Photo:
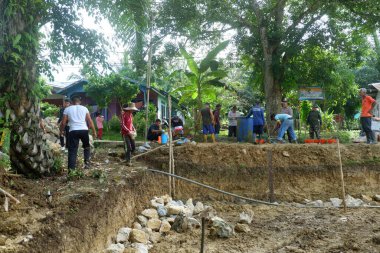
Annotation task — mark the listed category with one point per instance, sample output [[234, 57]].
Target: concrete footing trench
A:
[[86, 214]]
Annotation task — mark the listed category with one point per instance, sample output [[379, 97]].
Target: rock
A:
[[155, 237], [193, 223], [150, 213], [285, 153], [317, 203], [180, 224], [140, 248], [138, 236], [366, 198], [327, 204], [154, 204], [154, 224], [162, 211], [171, 219], [130, 250], [246, 218], [160, 201], [137, 225], [123, 234], [353, 202], [376, 239], [115, 248], [336, 202], [147, 231], [167, 199], [188, 211], [220, 228], [198, 207], [142, 220], [242, 228], [3, 240], [189, 203], [175, 209], [376, 197], [165, 226]]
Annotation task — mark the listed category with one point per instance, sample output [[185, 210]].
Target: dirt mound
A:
[[300, 171]]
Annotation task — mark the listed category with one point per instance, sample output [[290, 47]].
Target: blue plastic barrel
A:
[[164, 138], [245, 130]]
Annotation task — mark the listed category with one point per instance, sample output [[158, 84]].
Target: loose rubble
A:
[[165, 216]]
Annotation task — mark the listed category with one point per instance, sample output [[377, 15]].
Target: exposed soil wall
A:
[[83, 217], [300, 171]]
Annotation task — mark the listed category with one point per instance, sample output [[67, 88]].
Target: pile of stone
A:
[[350, 202], [168, 216], [52, 129]]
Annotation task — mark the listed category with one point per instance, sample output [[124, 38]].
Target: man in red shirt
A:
[[128, 131], [366, 115]]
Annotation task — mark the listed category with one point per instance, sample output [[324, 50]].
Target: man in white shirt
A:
[[79, 119], [233, 115]]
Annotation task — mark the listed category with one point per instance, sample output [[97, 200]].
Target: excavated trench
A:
[[299, 172]]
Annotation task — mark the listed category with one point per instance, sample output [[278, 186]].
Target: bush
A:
[[49, 110], [139, 119], [114, 124]]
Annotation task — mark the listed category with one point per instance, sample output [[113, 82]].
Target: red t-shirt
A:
[[127, 123], [367, 102]]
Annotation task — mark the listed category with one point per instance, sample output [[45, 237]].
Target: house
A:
[[157, 97]]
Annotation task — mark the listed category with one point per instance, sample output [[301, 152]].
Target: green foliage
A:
[[203, 79], [75, 174], [5, 163], [305, 109], [139, 119], [114, 86], [328, 122], [49, 110], [41, 90], [99, 175], [5, 140], [114, 124], [57, 165]]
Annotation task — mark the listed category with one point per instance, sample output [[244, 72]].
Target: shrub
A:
[[49, 110], [114, 124], [139, 119]]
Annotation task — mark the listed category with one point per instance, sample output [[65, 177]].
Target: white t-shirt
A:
[[232, 118], [77, 117]]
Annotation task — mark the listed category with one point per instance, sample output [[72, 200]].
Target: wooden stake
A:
[[10, 196], [342, 177], [270, 177], [170, 147]]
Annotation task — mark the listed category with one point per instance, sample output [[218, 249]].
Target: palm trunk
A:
[[29, 152]]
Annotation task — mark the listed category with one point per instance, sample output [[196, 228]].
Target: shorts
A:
[[208, 129], [258, 129]]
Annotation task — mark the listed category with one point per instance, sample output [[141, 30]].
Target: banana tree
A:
[[203, 78]]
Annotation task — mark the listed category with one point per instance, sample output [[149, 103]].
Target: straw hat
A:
[[130, 107]]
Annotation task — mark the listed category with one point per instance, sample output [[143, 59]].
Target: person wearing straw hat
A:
[[128, 131]]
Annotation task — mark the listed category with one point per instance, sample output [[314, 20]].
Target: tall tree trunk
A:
[[29, 151], [272, 87]]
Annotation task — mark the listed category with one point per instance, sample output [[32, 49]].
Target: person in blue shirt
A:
[[284, 123], [258, 120]]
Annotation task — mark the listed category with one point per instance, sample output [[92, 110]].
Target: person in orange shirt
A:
[[366, 115]]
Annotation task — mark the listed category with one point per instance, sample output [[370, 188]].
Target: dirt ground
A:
[[282, 229], [85, 213]]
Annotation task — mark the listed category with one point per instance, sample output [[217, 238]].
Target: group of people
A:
[[284, 122]]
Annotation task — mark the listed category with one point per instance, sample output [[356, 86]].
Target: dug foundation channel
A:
[[299, 172]]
